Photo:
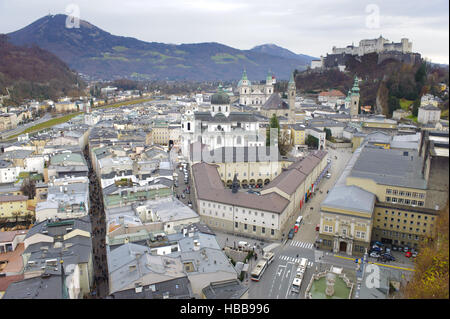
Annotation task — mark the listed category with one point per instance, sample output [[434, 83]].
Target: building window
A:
[[394, 192], [245, 226], [401, 193], [394, 200], [236, 224], [408, 194], [254, 228], [388, 191], [420, 203], [388, 199], [272, 232], [263, 230]]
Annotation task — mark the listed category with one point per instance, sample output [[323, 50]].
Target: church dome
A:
[[220, 98]]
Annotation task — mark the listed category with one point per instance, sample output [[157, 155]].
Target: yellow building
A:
[[401, 213], [15, 206], [160, 133], [298, 134], [346, 220]]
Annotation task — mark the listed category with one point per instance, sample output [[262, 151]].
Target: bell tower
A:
[[354, 98], [291, 98]]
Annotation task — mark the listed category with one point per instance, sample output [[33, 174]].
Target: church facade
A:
[[255, 95], [220, 127]]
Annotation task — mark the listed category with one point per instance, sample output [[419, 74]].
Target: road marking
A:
[[301, 244], [378, 264]]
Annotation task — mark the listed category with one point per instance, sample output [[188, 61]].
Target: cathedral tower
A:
[[291, 98]]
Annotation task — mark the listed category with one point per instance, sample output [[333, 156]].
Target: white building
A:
[[255, 94], [429, 114], [219, 127]]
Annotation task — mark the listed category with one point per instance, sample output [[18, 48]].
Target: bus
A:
[[261, 266], [259, 270]]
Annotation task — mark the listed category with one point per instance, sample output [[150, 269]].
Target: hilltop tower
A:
[[354, 98]]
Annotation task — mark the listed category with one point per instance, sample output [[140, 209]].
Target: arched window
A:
[[189, 126], [220, 109]]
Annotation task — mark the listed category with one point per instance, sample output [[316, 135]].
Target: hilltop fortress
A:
[[375, 45], [400, 51]]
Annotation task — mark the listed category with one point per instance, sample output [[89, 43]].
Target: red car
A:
[[408, 254], [318, 227], [295, 228]]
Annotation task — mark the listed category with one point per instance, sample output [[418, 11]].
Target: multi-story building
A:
[[220, 127], [261, 216], [429, 114], [160, 133], [255, 94], [393, 190], [15, 207]]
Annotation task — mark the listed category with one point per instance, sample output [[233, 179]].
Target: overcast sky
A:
[[308, 27]]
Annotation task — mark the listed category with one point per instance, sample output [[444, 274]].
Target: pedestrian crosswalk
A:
[[294, 260], [301, 244]]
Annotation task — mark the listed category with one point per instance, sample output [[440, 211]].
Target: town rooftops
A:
[[227, 289], [275, 102], [178, 288], [12, 198], [332, 93], [48, 287], [350, 198], [394, 167]]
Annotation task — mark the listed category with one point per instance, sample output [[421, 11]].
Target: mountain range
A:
[[94, 52]]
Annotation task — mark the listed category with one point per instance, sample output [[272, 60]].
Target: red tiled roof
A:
[[332, 93], [6, 281]]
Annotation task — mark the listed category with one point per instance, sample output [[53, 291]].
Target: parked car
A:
[[295, 228], [414, 254], [375, 248], [378, 243], [405, 249], [388, 257], [408, 254], [318, 227], [374, 254], [291, 234], [328, 175], [189, 203], [388, 250], [394, 248]]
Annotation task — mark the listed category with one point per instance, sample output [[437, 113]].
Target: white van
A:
[[299, 220]]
